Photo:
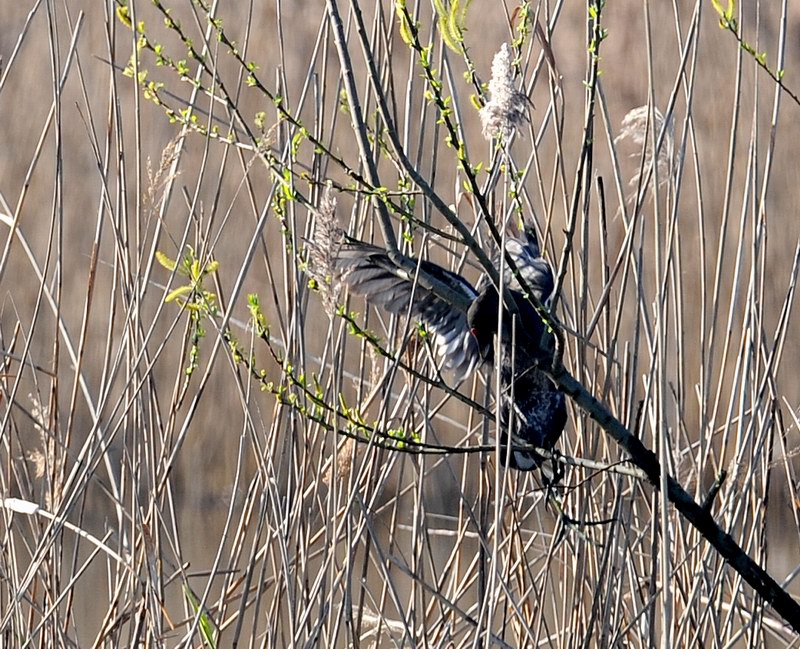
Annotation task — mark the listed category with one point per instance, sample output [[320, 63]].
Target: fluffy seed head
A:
[[635, 130], [323, 251], [506, 108]]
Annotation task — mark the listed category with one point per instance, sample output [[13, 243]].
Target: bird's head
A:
[[482, 321]]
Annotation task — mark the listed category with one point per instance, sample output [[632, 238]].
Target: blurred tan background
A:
[[205, 468]]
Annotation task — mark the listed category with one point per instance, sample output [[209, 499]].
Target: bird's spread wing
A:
[[368, 271]]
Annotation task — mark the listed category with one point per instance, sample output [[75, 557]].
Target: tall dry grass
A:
[[155, 493]]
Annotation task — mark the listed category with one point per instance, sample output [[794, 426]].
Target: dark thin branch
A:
[[783, 603]]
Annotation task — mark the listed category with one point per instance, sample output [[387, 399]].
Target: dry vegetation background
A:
[[221, 517]]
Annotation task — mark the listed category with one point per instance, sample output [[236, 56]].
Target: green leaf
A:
[[195, 269], [405, 28], [177, 293], [124, 15], [726, 19], [166, 262], [206, 625]]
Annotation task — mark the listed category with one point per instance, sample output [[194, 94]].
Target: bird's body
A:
[[532, 409]]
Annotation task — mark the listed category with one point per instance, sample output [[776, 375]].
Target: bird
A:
[[532, 408]]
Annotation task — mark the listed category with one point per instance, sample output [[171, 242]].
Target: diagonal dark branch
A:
[[781, 601]]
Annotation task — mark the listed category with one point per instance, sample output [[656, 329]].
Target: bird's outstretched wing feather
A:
[[367, 270]]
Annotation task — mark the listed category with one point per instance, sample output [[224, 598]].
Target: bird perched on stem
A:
[[532, 409]]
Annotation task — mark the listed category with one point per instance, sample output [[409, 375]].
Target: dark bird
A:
[[532, 408]]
